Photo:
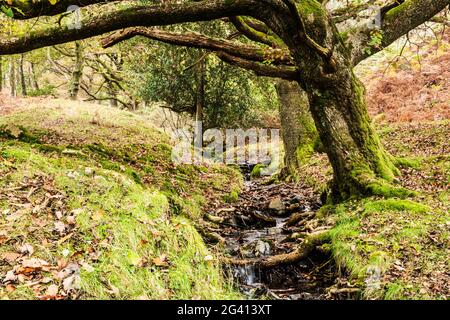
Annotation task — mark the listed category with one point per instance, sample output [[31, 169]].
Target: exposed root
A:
[[299, 217], [227, 210], [306, 247], [213, 237], [214, 219]]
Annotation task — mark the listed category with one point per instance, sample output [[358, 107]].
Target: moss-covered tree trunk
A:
[[300, 137], [360, 163]]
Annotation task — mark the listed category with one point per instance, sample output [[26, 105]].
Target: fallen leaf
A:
[[72, 268], [34, 263], [10, 256], [60, 226], [88, 267], [71, 220], [10, 288], [10, 276], [71, 283], [52, 290], [62, 263], [26, 248], [160, 261]]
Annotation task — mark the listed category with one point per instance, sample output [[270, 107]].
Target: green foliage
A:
[[47, 90], [376, 40], [168, 74]]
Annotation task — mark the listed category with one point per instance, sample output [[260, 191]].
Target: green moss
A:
[[408, 163], [396, 205], [256, 171], [232, 197], [308, 7], [382, 188]]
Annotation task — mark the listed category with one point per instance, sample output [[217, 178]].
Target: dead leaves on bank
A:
[[36, 222]]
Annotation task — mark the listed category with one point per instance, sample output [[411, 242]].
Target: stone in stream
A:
[[263, 248], [277, 206]]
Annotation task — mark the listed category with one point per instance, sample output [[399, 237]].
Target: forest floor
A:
[[92, 207]]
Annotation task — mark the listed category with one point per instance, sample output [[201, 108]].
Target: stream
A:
[[257, 227]]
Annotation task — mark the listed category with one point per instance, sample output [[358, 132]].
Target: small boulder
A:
[[277, 206]]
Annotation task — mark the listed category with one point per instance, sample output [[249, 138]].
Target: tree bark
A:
[[33, 82], [200, 95], [299, 133], [23, 85], [12, 77], [112, 92], [77, 72], [360, 163]]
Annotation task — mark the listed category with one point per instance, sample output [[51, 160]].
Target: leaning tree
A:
[[298, 37]]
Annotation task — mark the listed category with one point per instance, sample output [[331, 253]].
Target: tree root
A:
[[335, 291], [299, 217], [214, 219], [213, 237], [306, 247]]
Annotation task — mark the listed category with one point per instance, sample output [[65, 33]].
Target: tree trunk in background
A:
[[199, 107], [200, 95], [12, 77], [23, 84], [77, 72], [33, 82], [300, 137], [112, 92]]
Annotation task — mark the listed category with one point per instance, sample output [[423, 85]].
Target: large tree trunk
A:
[[300, 137], [360, 163], [77, 72]]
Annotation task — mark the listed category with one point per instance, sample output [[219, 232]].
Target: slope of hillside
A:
[[407, 83], [91, 207]]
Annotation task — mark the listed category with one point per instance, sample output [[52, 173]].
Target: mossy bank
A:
[[92, 191]]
